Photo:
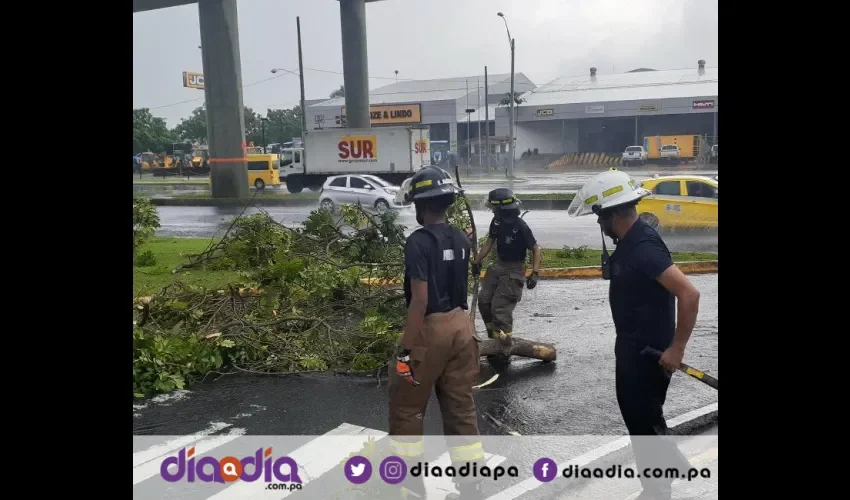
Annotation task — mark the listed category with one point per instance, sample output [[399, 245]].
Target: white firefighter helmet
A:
[[605, 190]]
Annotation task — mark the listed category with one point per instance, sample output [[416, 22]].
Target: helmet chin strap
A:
[[606, 270]]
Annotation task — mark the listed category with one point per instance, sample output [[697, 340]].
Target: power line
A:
[[331, 72]]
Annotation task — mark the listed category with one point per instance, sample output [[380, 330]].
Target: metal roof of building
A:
[[434, 90], [478, 115], [637, 86]]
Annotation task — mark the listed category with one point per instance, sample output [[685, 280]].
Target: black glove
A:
[[531, 281], [476, 270]]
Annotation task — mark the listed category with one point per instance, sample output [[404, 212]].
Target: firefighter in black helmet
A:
[[501, 290], [438, 348]]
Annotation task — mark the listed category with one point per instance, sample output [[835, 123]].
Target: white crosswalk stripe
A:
[[152, 468], [314, 459], [161, 450], [437, 488], [320, 456]]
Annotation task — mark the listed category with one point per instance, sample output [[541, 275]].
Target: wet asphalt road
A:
[[552, 228], [572, 396], [527, 182]]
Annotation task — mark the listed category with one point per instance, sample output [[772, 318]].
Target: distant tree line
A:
[[150, 133]]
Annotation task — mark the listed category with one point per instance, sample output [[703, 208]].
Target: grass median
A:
[[169, 253]]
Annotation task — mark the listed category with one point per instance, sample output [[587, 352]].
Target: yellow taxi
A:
[[680, 201]]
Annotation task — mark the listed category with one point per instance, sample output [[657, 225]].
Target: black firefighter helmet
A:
[[503, 199], [430, 182]]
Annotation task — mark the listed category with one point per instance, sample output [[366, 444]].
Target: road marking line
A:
[[437, 488], [315, 458], [152, 468], [706, 456], [175, 444], [582, 460]]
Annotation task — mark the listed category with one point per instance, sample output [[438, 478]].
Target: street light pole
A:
[[511, 140], [263, 125]]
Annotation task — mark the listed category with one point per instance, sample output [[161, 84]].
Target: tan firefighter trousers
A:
[[445, 357]]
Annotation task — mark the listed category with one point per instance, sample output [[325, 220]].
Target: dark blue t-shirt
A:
[[643, 310], [443, 263]]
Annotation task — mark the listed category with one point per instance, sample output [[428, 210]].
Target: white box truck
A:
[[391, 153]]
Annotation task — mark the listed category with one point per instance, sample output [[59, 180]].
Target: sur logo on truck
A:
[[358, 149], [421, 146]]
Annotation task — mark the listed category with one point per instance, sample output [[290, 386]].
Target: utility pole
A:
[[513, 153], [478, 119], [487, 119], [303, 108], [468, 144]]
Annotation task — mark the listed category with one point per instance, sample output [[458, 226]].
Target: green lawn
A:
[[554, 257], [171, 252]]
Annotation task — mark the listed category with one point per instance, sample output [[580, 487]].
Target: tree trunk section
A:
[[519, 347]]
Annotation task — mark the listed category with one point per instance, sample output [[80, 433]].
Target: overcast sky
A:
[[422, 39]]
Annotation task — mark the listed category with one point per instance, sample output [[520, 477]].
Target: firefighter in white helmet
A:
[[645, 286]]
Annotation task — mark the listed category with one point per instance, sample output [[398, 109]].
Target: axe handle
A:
[[686, 369]]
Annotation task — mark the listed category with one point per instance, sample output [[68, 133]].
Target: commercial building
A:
[[605, 113], [441, 104]]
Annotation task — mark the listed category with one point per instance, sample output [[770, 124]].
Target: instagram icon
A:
[[393, 470]]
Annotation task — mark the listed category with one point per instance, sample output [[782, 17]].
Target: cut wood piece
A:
[[519, 347]]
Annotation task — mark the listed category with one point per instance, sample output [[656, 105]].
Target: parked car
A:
[[634, 154], [680, 201], [367, 190], [669, 152]]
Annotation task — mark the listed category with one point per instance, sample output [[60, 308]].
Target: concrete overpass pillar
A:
[[355, 67], [223, 92]]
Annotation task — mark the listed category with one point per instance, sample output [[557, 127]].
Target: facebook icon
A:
[[545, 470]]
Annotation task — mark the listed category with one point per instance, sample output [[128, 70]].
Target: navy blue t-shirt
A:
[[643, 310], [444, 270]]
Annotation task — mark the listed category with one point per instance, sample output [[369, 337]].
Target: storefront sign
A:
[[703, 104], [594, 109], [396, 114], [649, 108], [193, 80], [545, 112]]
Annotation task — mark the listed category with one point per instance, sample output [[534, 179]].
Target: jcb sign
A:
[[193, 80], [393, 115], [358, 149], [421, 147]]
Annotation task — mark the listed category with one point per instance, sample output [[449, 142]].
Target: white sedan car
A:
[[370, 191]]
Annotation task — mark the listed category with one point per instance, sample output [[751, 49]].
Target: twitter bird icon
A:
[[358, 469]]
